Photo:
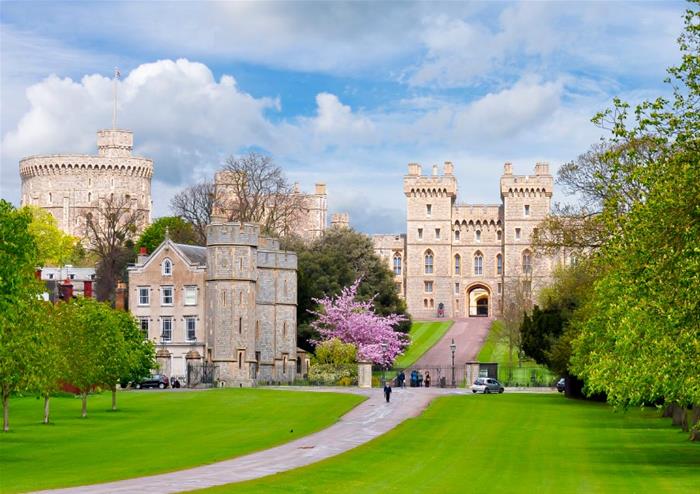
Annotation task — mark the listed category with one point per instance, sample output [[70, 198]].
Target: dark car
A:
[[561, 385], [487, 385], [155, 381]]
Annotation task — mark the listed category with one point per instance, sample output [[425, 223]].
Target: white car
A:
[[487, 385]]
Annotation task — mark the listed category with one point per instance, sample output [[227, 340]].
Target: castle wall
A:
[[390, 248]]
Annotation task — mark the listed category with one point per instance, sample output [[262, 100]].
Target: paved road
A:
[[469, 335], [368, 420]]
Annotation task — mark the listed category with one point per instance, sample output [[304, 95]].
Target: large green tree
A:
[[19, 303], [334, 261], [640, 339], [178, 230], [55, 248]]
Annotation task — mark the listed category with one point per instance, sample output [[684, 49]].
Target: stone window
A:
[[517, 234], [432, 303], [457, 235], [527, 262], [499, 235], [526, 210], [166, 295], [50, 197], [144, 295], [527, 288], [420, 234], [285, 359], [500, 287], [144, 326], [240, 325], [458, 264], [241, 356], [478, 263], [398, 287], [425, 303], [477, 235], [499, 264], [437, 234], [428, 262], [397, 264], [191, 328], [457, 288], [428, 209], [428, 286], [284, 329], [167, 267], [166, 328], [190, 295]]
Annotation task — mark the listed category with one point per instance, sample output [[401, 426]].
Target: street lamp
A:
[[384, 347], [453, 347]]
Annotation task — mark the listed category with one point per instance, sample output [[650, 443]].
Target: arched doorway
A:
[[479, 297]]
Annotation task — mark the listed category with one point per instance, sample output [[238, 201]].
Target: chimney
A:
[[449, 168], [37, 273], [143, 256], [65, 291], [435, 170], [542, 168], [414, 169], [507, 168], [120, 296], [320, 189]]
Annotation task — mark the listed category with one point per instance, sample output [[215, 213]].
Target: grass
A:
[[423, 336], [517, 443], [510, 371], [152, 432]]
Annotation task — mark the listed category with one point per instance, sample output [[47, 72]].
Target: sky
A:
[[342, 93]]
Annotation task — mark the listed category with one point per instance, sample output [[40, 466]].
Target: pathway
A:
[[469, 335], [368, 420]]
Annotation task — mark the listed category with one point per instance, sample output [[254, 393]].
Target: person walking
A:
[[387, 392], [402, 380], [427, 379]]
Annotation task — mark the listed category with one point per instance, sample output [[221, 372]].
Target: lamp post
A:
[[453, 347], [384, 347]]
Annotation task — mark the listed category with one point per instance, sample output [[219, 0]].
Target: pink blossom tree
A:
[[353, 321]]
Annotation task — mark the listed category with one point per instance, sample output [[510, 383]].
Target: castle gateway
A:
[[460, 260]]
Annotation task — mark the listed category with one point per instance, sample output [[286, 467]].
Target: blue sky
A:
[[342, 93]]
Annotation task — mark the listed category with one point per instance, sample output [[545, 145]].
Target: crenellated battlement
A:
[[233, 233], [541, 184], [34, 166]]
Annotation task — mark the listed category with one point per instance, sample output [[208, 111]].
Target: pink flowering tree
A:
[[353, 321]]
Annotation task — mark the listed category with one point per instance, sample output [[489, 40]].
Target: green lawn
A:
[[517, 443], [510, 371], [423, 336], [152, 432]]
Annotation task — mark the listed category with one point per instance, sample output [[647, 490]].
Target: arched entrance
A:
[[479, 297]]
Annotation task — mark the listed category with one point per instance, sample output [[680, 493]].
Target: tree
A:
[[19, 302], [50, 359], [110, 233], [639, 339], [519, 301], [178, 230], [55, 247], [195, 205], [253, 189], [352, 321], [334, 261]]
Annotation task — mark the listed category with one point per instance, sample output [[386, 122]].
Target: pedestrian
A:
[[402, 380], [387, 392], [427, 379]]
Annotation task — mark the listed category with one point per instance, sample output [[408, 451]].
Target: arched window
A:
[[50, 197], [457, 235], [477, 235], [499, 264], [499, 234], [458, 264], [89, 197], [527, 261], [428, 262], [478, 263], [167, 267], [397, 264]]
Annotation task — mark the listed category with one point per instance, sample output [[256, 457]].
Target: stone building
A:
[[311, 220], [468, 259], [70, 185], [231, 303]]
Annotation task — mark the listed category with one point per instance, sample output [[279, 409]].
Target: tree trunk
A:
[[84, 398], [5, 409], [46, 408], [668, 411], [114, 398], [680, 417], [695, 423]]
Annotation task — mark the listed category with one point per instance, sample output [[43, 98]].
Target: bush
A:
[[330, 374]]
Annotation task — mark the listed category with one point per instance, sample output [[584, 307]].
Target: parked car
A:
[[487, 385], [155, 381], [561, 385]]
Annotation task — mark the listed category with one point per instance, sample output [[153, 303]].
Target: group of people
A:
[[417, 380]]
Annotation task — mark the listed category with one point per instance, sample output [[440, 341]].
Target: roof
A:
[[195, 254]]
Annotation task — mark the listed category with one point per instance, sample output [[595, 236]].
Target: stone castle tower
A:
[[70, 185], [250, 289], [468, 259]]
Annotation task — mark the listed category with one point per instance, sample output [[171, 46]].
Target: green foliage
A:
[[333, 374], [55, 248], [334, 261], [335, 352], [179, 230]]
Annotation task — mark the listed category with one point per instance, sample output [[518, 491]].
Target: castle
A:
[[70, 186], [458, 260], [231, 304]]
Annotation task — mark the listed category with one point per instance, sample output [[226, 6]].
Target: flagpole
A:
[[114, 111]]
